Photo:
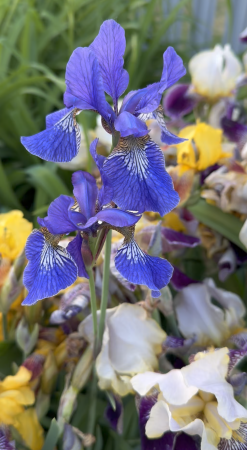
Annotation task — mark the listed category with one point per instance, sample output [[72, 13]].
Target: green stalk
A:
[[5, 326], [92, 406], [105, 287], [93, 304]]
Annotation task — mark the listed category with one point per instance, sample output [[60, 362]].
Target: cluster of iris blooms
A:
[[134, 178]]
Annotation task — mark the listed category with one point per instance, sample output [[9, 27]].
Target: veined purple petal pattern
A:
[[136, 171], [85, 191], [50, 267], [60, 142], [84, 83], [58, 220], [127, 125], [140, 268], [109, 47], [105, 193], [74, 249]]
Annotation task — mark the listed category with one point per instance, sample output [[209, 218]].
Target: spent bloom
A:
[[131, 343], [214, 72], [135, 169], [197, 400]]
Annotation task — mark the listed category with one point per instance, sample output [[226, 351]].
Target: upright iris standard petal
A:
[[109, 47], [59, 142], [50, 267], [140, 268], [136, 170], [84, 83], [173, 70], [74, 249], [127, 125], [85, 191], [106, 192]]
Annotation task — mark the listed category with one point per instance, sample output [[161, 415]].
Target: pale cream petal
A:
[[158, 422]]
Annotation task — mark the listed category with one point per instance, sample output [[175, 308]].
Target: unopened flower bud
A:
[[67, 403], [42, 404], [87, 253], [83, 369], [33, 313], [50, 373], [26, 339], [11, 289]]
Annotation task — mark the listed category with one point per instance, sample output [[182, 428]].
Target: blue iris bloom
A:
[[52, 267], [136, 168]]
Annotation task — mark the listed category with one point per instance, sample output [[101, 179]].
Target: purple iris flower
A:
[[52, 267], [135, 169]]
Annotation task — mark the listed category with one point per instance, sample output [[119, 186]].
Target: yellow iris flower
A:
[[14, 231], [15, 394], [29, 428], [202, 149]]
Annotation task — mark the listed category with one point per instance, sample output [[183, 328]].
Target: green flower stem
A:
[[93, 304], [105, 287], [92, 406], [5, 326]]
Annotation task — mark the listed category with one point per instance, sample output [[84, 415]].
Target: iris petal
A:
[[50, 267], [105, 193], [59, 219], [109, 47], [84, 84], [140, 268], [85, 191], [58, 143], [74, 249], [127, 125], [136, 171]]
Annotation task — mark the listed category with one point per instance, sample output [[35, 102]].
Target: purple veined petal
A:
[[235, 357], [136, 171], [173, 69], [179, 239], [74, 249], [85, 191], [58, 143], [238, 441], [243, 35], [106, 192], [166, 136], [180, 280], [127, 104], [127, 125], [53, 118], [238, 382], [117, 217], [140, 268], [58, 219], [178, 102], [166, 441], [239, 339], [109, 47], [85, 85], [115, 416], [50, 267], [5, 443], [234, 131]]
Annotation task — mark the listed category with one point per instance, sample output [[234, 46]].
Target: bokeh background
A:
[[36, 41]]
